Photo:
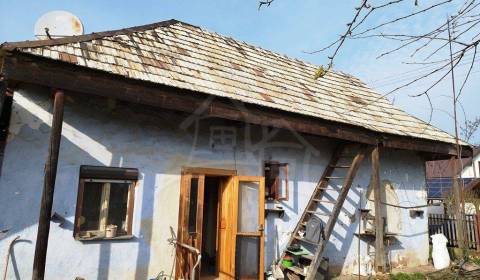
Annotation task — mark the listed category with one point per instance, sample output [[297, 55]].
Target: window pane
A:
[[247, 259], [90, 217], [248, 198], [117, 207], [192, 212]]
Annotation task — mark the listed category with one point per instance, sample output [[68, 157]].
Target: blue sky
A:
[[288, 27]]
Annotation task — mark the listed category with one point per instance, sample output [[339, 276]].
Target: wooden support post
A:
[[48, 188], [459, 206], [379, 222]]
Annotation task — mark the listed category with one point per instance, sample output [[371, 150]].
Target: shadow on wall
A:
[[95, 132], [23, 168]]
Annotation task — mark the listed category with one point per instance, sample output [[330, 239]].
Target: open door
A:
[[190, 224], [240, 226], [250, 216], [226, 229]]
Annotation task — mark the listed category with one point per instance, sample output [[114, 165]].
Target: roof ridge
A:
[[88, 37]]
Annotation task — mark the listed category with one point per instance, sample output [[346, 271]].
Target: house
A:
[[471, 168], [168, 129], [440, 174]]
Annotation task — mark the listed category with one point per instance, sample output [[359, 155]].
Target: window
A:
[[105, 203], [273, 172], [222, 137]]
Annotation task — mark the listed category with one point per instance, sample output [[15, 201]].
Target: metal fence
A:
[[447, 225]]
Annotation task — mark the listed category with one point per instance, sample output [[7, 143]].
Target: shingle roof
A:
[[177, 54]]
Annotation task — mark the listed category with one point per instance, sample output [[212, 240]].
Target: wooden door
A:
[[190, 224], [226, 229], [250, 224]]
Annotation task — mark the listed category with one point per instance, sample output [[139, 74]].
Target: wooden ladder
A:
[[315, 201]]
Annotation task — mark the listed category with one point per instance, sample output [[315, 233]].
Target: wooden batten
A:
[[48, 188], [379, 195], [46, 72]]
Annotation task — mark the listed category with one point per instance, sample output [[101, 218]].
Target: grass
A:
[[408, 276], [475, 259]]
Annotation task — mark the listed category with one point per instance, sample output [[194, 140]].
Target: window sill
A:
[[102, 238]]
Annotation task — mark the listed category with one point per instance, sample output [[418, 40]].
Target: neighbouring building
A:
[[439, 179], [172, 129]]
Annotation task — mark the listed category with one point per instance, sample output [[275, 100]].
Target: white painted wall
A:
[[159, 143], [472, 170]]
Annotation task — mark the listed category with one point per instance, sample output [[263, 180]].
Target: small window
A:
[[223, 137], [105, 203], [276, 180]]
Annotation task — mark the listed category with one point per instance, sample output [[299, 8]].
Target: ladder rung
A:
[[340, 166], [334, 177], [307, 257], [325, 201], [318, 213], [306, 241], [296, 270], [327, 188]]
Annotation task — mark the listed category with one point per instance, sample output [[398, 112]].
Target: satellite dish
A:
[[57, 24]]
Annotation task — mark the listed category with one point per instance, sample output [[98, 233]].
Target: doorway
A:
[[222, 216], [209, 265]]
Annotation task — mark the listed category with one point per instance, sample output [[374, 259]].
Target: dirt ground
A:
[[422, 269]]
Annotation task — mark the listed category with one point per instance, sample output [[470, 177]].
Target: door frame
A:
[[182, 262], [229, 200]]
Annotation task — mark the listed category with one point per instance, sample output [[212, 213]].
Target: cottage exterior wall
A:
[[472, 170], [107, 133]]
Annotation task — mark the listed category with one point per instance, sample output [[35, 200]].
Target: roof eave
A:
[[53, 73]]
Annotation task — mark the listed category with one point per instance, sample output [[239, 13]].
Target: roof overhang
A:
[[21, 67]]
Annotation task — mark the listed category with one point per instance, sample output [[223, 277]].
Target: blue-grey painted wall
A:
[[159, 143]]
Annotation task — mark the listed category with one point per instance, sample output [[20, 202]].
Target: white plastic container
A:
[[440, 256]]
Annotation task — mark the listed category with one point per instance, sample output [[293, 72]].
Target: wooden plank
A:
[[227, 229], [379, 195], [209, 171], [131, 202], [261, 210], [180, 259], [357, 160], [197, 242], [477, 230], [32, 69], [78, 209], [48, 188]]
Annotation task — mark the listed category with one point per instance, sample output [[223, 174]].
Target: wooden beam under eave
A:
[[50, 73], [379, 195], [47, 72], [48, 188]]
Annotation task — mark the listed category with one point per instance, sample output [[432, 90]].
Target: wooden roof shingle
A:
[[177, 54]]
